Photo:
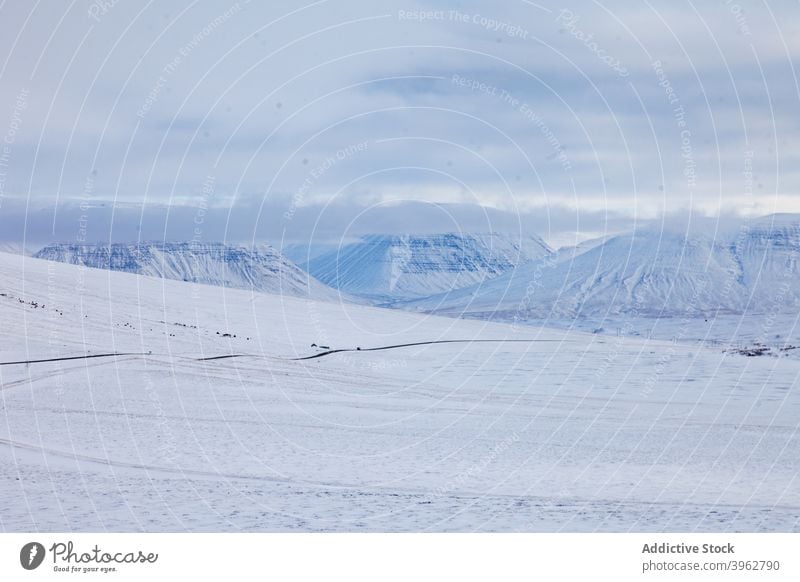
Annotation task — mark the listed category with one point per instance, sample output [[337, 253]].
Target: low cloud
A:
[[253, 221]]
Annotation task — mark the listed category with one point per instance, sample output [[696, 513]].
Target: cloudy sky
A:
[[279, 120]]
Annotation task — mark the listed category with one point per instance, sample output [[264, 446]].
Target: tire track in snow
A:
[[48, 376], [372, 489], [138, 466]]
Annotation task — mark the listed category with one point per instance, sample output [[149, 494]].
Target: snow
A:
[[647, 273], [570, 431], [259, 268], [387, 268], [18, 248]]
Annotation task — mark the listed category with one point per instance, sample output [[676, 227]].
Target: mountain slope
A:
[[646, 273], [767, 252], [395, 267], [260, 268]]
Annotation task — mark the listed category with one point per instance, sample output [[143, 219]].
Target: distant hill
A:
[[260, 268]]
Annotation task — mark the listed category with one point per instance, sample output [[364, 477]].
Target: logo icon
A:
[[31, 555]]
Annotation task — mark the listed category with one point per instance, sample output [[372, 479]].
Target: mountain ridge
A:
[[259, 268], [647, 273], [396, 267]]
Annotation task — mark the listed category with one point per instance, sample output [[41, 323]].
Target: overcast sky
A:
[[273, 120]]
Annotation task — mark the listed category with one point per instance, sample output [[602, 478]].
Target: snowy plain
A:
[[557, 430]]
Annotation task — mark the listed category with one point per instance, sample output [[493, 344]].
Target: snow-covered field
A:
[[569, 431]]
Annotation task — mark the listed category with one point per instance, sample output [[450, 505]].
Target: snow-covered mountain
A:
[[396, 267], [568, 252], [259, 268], [766, 252], [647, 273]]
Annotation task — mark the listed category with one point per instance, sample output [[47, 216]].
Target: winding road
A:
[[311, 357]]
